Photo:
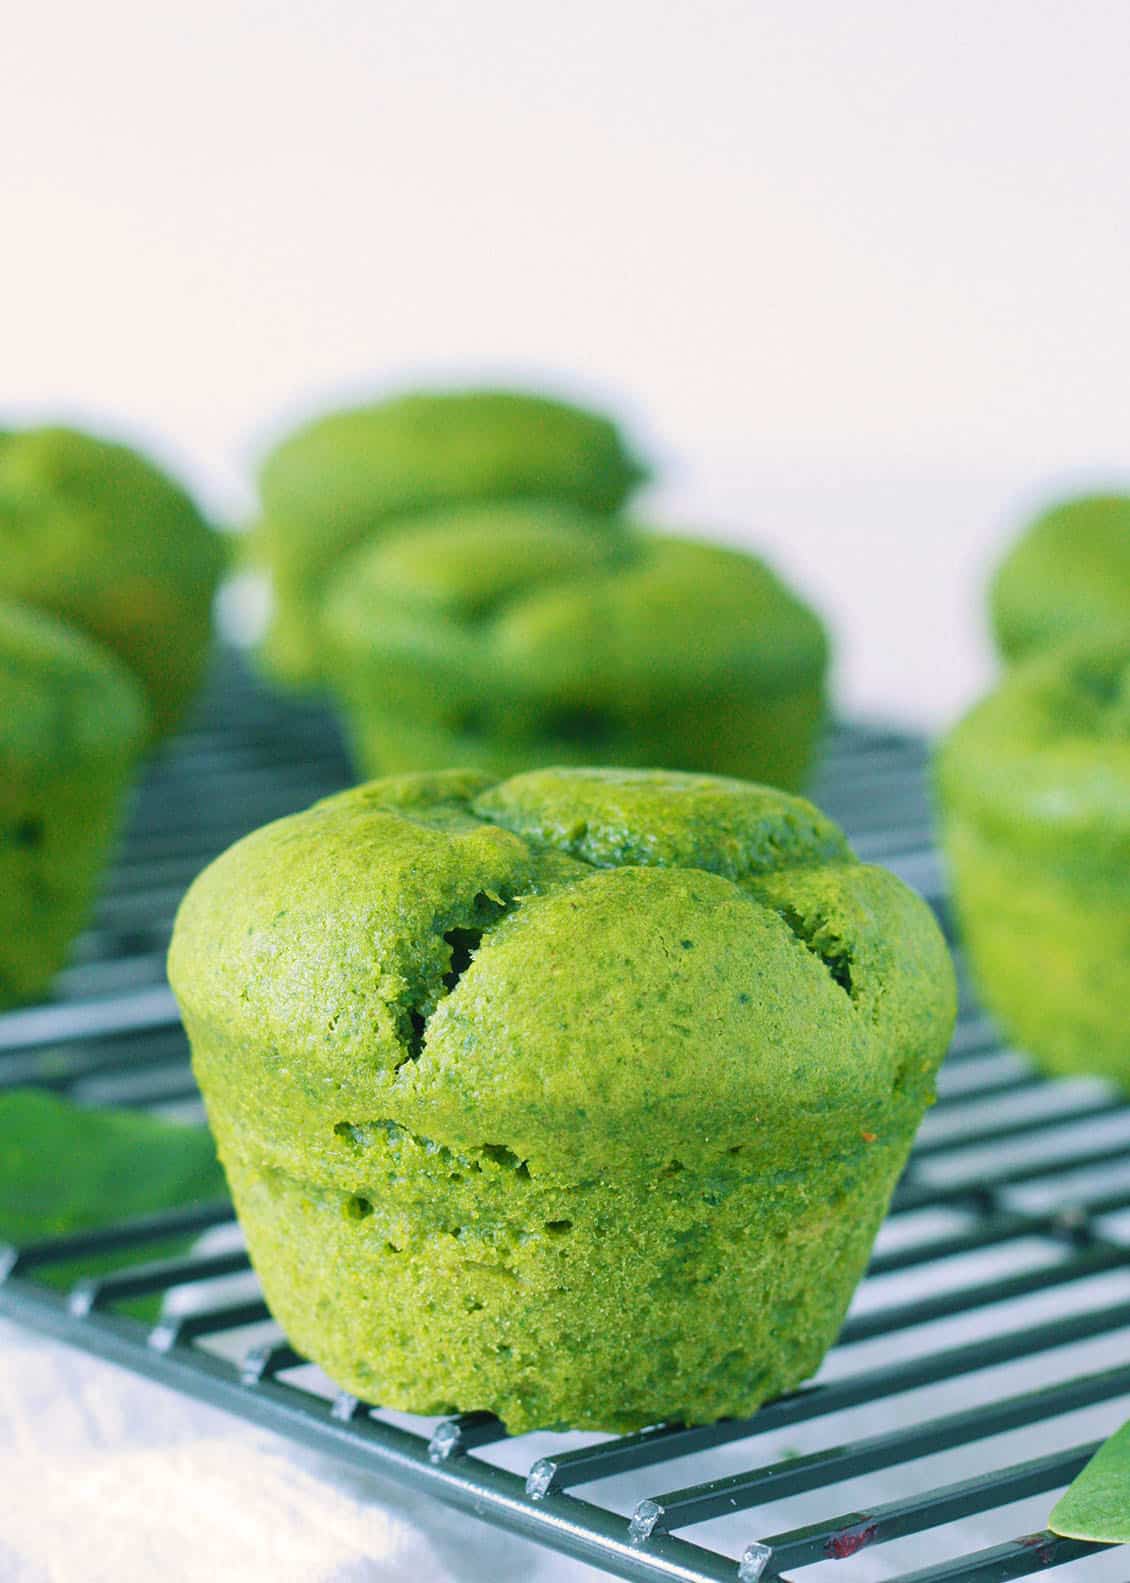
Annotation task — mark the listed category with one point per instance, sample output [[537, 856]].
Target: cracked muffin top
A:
[[597, 971], [539, 599]]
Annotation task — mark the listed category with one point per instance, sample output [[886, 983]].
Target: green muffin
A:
[[578, 1097], [1068, 576], [94, 533], [503, 637], [339, 480], [72, 723], [1034, 788]]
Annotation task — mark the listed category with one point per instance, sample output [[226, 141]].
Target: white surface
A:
[[107, 1478]]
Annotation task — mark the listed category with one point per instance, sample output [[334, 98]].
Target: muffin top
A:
[[335, 481], [537, 599], [1068, 574], [93, 532], [62, 697], [345, 472], [577, 971], [1043, 763]]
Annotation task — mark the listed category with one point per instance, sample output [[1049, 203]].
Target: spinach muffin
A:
[[94, 533], [1068, 576], [504, 637], [72, 724], [578, 1097], [1034, 788], [340, 479]]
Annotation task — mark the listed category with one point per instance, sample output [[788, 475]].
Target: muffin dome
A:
[[523, 1087], [94, 533], [1035, 792], [340, 479], [72, 722], [1068, 576], [502, 637]]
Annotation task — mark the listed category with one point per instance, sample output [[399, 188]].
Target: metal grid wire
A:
[[984, 1359]]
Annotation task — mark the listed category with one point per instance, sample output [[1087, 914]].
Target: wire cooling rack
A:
[[986, 1355]]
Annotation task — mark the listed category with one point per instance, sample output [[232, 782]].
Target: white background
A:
[[857, 273]]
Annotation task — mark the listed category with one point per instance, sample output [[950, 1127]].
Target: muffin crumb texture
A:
[[577, 1097]]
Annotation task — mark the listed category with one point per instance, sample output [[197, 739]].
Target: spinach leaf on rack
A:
[[1097, 1505]]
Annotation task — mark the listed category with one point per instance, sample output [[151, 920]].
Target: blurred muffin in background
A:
[[1067, 576], [341, 479], [1034, 787], [73, 722], [95, 533], [501, 637]]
